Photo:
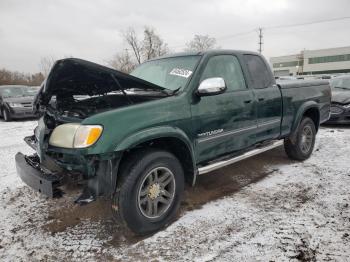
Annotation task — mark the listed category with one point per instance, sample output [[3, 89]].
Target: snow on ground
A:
[[11, 141], [266, 208]]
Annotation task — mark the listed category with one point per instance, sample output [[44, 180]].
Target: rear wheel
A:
[[6, 115], [302, 146], [150, 191]]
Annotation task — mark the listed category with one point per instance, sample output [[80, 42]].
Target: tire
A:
[[302, 146], [139, 191], [6, 115]]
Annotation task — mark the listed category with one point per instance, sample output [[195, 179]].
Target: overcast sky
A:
[[91, 29]]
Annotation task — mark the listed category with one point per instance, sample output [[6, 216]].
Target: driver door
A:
[[226, 122]]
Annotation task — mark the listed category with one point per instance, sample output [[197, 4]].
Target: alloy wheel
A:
[[306, 139], [156, 193]]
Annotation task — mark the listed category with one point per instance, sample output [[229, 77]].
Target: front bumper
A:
[[31, 173], [47, 182], [340, 121], [339, 118], [340, 115], [22, 112]]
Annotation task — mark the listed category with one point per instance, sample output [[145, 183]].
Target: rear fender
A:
[[299, 116]]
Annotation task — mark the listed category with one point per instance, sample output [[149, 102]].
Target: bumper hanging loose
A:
[[31, 173]]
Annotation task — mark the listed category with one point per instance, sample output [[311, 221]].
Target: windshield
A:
[[171, 73], [343, 83], [31, 91], [16, 91]]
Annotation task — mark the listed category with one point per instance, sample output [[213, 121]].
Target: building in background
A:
[[313, 62]]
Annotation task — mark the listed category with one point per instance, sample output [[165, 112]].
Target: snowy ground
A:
[[266, 208]]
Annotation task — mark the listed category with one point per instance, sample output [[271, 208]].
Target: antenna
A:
[[260, 39]]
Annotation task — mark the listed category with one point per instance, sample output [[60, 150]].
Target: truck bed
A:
[[299, 94]]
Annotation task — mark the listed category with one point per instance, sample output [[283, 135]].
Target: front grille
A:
[[27, 105]]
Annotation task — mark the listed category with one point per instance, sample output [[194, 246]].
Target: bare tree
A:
[[46, 64], [14, 78], [122, 62], [201, 43], [134, 43], [18, 78], [5, 77], [37, 79], [150, 46], [153, 45]]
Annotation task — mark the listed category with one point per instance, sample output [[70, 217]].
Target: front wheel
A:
[[302, 147], [150, 191]]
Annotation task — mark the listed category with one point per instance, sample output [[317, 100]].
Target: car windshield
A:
[[16, 91], [342, 83], [171, 73], [31, 91]]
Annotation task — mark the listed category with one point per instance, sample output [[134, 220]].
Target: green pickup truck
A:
[[138, 138]]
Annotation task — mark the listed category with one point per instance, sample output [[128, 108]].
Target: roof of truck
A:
[[208, 52]]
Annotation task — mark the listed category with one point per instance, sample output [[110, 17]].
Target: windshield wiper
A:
[[121, 88], [171, 92], [163, 91], [176, 90]]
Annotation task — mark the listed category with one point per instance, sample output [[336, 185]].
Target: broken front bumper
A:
[[31, 173], [48, 182]]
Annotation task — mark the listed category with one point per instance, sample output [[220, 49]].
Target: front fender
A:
[[299, 115], [153, 133], [156, 133]]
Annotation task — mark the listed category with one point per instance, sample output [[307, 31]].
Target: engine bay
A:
[[84, 106]]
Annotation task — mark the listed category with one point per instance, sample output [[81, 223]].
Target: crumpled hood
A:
[[74, 76], [341, 96]]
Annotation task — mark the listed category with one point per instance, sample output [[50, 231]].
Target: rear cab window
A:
[[258, 71]]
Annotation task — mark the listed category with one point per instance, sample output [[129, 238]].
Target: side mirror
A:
[[211, 87]]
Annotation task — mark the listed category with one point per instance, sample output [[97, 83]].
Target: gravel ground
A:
[[267, 208]]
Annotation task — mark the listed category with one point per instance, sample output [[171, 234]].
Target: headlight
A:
[[336, 110], [75, 135], [87, 136], [11, 104]]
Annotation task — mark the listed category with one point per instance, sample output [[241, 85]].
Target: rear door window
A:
[[258, 70]]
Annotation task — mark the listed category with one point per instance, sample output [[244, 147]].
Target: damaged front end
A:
[[52, 167], [74, 91]]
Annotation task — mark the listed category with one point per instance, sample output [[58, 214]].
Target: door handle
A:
[[261, 99], [247, 101]]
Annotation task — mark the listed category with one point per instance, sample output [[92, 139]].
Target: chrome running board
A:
[[223, 163]]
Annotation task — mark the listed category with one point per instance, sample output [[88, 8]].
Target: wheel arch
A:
[[171, 139], [314, 114], [309, 109]]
